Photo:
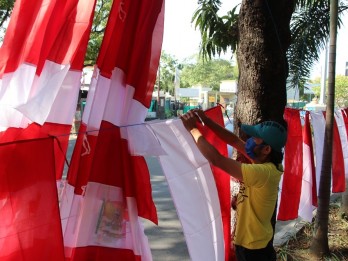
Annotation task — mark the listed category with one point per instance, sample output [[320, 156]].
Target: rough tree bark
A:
[[264, 38]]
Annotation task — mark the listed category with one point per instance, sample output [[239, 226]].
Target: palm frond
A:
[[217, 33], [310, 30]]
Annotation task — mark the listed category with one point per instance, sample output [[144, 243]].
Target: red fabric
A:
[[46, 30], [102, 253], [338, 170], [345, 118], [116, 167], [134, 44], [30, 225], [222, 179], [338, 174], [81, 160], [307, 139], [292, 177]]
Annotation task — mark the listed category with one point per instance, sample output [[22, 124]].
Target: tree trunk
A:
[[264, 38], [320, 245]]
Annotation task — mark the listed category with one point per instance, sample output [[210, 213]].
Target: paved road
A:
[[166, 240]]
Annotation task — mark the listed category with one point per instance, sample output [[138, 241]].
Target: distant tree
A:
[[6, 7], [341, 90], [208, 73], [166, 72], [101, 15]]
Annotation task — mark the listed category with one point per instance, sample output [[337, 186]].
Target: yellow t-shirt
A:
[[255, 205]]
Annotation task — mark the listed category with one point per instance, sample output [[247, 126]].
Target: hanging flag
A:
[[30, 226], [343, 144], [104, 174], [293, 169], [193, 189], [308, 192], [40, 67], [222, 179], [337, 165]]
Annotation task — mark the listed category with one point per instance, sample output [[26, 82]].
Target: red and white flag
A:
[[193, 189], [290, 192], [109, 188], [40, 70], [308, 192]]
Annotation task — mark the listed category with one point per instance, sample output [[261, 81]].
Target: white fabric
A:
[[64, 106], [92, 220], [15, 89], [142, 141], [306, 208], [318, 123], [193, 190], [44, 92], [343, 137]]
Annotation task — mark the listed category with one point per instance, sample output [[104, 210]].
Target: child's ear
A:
[[267, 149]]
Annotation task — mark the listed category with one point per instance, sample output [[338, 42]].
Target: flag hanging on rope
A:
[[41, 61], [193, 189], [40, 69], [106, 182], [308, 192], [292, 178], [30, 226]]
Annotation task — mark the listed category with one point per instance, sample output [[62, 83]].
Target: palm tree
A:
[[320, 245]]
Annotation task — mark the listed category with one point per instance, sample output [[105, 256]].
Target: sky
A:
[[182, 40]]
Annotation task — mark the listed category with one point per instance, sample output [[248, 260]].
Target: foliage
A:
[[100, 19], [341, 90], [208, 73], [6, 7], [218, 33], [166, 72], [310, 30]]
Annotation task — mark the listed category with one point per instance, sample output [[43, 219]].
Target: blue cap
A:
[[271, 132]]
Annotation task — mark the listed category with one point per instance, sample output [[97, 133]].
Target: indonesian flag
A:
[[30, 226], [308, 192], [109, 185], [193, 189], [318, 122], [343, 137], [292, 178], [40, 70], [41, 61]]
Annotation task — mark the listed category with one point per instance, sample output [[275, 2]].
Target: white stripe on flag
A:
[[318, 123]]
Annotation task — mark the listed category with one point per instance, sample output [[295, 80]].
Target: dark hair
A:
[[276, 157]]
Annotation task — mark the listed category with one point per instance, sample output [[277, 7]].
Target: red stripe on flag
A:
[[222, 179], [338, 170], [338, 174], [307, 139], [292, 177], [114, 166], [132, 43], [98, 253], [30, 224]]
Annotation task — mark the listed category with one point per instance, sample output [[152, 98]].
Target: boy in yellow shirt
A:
[[257, 196]]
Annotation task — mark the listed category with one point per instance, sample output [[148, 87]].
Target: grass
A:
[[297, 248]]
